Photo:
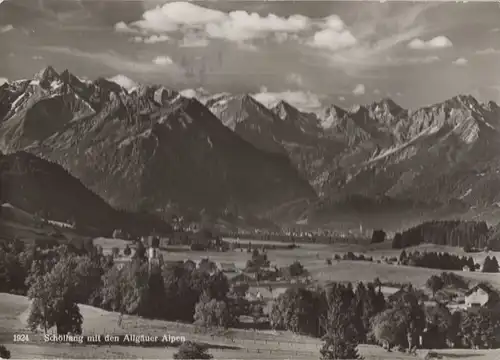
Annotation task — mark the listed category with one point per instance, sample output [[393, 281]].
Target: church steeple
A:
[[154, 256]]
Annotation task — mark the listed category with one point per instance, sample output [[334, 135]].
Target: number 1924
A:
[[21, 338]]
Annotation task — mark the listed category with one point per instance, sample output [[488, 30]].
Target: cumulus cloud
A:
[[488, 51], [334, 35], [295, 79], [341, 98], [3, 80], [124, 28], [124, 81], [302, 100], [194, 41], [438, 42], [359, 90], [6, 28], [233, 26], [163, 60], [281, 37], [460, 61]]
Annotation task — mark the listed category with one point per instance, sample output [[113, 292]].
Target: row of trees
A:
[[344, 317], [466, 234], [436, 260]]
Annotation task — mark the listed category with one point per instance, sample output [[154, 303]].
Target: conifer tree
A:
[[340, 338]]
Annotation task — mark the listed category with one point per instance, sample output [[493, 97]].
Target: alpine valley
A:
[[149, 148]]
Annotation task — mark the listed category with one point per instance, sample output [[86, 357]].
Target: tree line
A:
[[436, 260], [345, 316], [466, 234]]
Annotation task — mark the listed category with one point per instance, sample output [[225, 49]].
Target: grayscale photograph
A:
[[249, 180]]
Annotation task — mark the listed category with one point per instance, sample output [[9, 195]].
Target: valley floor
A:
[[313, 258]]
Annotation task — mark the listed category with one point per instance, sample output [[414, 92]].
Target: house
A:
[[227, 267], [466, 268], [121, 261], [481, 296], [239, 278]]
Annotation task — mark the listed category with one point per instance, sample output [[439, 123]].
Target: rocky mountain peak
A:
[[284, 109], [387, 105], [463, 100], [46, 74], [330, 116]]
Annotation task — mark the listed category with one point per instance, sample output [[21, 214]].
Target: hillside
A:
[[40, 187]]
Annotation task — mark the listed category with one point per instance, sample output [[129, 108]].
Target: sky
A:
[[309, 53]]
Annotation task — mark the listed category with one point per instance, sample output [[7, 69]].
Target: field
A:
[[313, 257], [236, 344]]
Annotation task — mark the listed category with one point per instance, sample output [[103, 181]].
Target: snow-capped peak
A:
[[125, 82], [199, 94], [48, 74]]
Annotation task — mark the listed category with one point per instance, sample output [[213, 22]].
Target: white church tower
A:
[[155, 259]]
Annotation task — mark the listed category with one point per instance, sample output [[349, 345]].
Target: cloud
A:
[[124, 28], [439, 42], [124, 82], [495, 30], [376, 91], [191, 41], [153, 39], [234, 26], [334, 36], [341, 98], [460, 62], [37, 57], [246, 46], [3, 80], [281, 37], [163, 60], [6, 28], [488, 51], [119, 62], [399, 94], [302, 100], [359, 90], [413, 60], [424, 60], [379, 30], [295, 79]]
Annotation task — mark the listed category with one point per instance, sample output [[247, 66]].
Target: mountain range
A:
[[148, 147]]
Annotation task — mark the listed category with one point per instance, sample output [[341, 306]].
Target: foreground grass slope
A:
[[244, 344]]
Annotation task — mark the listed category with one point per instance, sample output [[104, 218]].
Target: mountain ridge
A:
[[148, 149], [374, 151]]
